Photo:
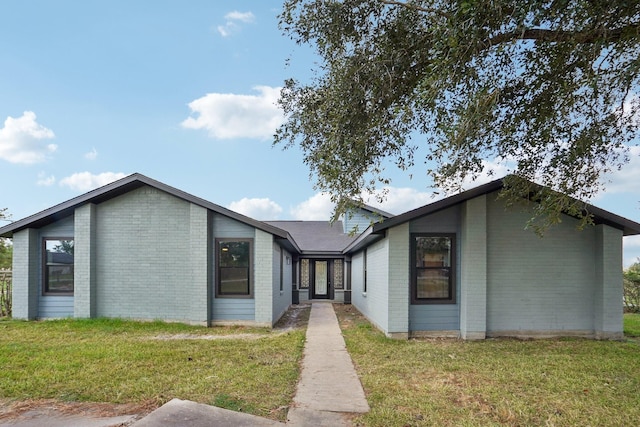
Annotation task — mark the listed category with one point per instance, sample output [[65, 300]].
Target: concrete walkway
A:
[[329, 389], [329, 392]]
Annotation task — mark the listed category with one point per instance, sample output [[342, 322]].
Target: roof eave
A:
[[123, 186]]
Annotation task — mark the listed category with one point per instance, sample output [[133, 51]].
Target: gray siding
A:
[[25, 279], [359, 220], [234, 309], [438, 317], [53, 306], [230, 228], [149, 257], [538, 284], [281, 299]]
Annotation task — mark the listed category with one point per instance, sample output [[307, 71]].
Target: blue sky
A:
[[182, 92]]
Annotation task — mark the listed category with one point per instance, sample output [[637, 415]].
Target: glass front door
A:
[[321, 279]]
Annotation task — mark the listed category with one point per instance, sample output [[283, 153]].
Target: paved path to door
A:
[[329, 390]]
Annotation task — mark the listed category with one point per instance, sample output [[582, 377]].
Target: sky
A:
[[183, 92]]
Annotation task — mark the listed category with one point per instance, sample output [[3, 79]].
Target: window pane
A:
[[321, 277], [338, 274], [432, 283], [234, 280], [234, 259], [59, 266], [234, 254], [433, 252], [304, 273]]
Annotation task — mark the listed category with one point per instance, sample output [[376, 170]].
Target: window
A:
[[58, 266], [432, 276], [338, 274], [234, 260], [304, 273], [364, 271], [281, 270]]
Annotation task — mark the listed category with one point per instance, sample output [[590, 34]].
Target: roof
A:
[[125, 185], [377, 211], [375, 231], [317, 236]]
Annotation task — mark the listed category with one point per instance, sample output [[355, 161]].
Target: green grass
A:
[[561, 382], [632, 324], [120, 361]]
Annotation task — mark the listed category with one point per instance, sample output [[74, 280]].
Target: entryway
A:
[[320, 278], [320, 282]]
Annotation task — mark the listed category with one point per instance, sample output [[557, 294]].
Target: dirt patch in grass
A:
[[11, 410], [347, 314], [296, 318]]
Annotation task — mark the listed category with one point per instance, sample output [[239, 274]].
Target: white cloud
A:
[[316, 208], [228, 116], [400, 200], [260, 209], [91, 155], [85, 181], [247, 17], [491, 170], [631, 246], [626, 180], [232, 20], [44, 180], [22, 140]]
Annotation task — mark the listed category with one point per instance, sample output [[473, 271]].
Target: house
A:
[[463, 266]]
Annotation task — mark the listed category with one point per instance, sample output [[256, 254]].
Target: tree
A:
[[632, 288], [6, 250], [65, 246], [546, 88]]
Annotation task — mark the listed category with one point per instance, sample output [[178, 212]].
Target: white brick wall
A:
[[538, 285], [263, 277], [145, 243], [473, 271], [608, 287], [398, 280], [84, 261], [25, 274]]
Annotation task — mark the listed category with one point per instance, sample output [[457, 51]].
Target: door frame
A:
[[312, 279]]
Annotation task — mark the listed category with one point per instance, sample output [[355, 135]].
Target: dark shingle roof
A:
[[600, 216], [123, 186], [316, 236], [377, 211], [376, 231]]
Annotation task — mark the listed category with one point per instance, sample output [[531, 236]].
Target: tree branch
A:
[[581, 37], [436, 11]]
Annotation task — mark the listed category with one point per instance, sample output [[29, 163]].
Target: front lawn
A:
[[632, 324], [560, 382], [252, 370]]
